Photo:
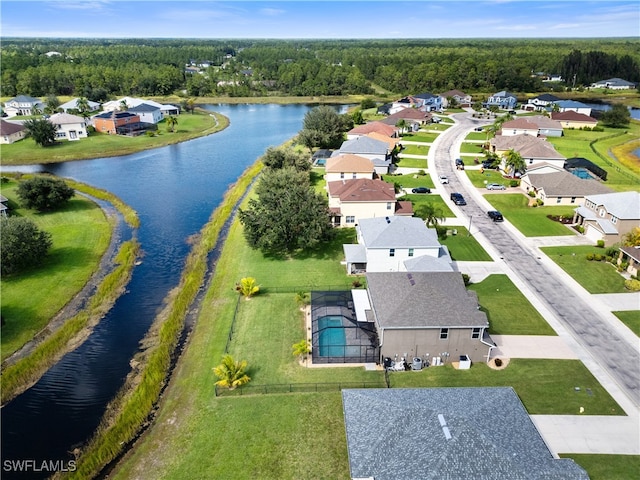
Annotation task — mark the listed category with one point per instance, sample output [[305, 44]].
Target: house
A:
[[69, 127], [351, 200], [72, 106], [630, 256], [503, 100], [609, 216], [390, 141], [422, 313], [447, 433], [375, 150], [561, 187], [121, 123], [148, 113], [348, 167], [381, 128], [11, 132], [532, 149], [462, 99], [23, 105], [134, 102], [614, 84], [396, 244], [537, 126], [572, 105], [541, 102], [430, 102], [405, 103], [413, 117], [573, 119]]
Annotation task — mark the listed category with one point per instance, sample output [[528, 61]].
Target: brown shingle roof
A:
[[370, 127], [349, 162], [8, 128], [571, 115], [362, 190]]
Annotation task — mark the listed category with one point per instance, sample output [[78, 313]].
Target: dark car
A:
[[478, 129], [459, 164], [458, 199], [495, 215], [488, 164], [421, 190]]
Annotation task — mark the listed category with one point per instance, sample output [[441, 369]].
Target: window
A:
[[392, 252], [559, 200], [444, 333], [353, 175], [389, 205], [614, 220], [411, 252], [573, 199], [602, 212], [475, 333], [341, 175], [351, 219]]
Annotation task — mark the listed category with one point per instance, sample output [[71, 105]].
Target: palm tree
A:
[[231, 373], [82, 104], [302, 299], [301, 349], [514, 162], [247, 287], [402, 125], [433, 215], [123, 106], [172, 121]]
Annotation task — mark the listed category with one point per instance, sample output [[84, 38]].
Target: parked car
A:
[[495, 186], [444, 179], [458, 199], [495, 215], [421, 190], [478, 129], [489, 164], [459, 164]]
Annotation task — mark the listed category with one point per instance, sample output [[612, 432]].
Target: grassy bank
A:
[[26, 152]]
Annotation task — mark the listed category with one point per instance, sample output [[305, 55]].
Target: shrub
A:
[[623, 266], [422, 173], [589, 256], [23, 244], [531, 193], [498, 362], [467, 279], [608, 258], [539, 202], [44, 193], [632, 284], [600, 244], [356, 283], [149, 133], [597, 257], [580, 228], [611, 251], [514, 183]]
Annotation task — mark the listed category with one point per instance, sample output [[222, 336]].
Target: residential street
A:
[[584, 321]]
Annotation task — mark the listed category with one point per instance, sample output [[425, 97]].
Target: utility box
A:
[[465, 362]]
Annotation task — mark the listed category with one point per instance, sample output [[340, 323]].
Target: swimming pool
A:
[[581, 173], [331, 339]]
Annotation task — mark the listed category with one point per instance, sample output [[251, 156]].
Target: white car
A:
[[444, 179], [495, 186]]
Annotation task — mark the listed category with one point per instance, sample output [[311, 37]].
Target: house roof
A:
[[527, 145], [437, 433], [349, 162], [404, 207], [533, 123], [426, 96], [503, 94], [9, 128], [397, 232], [391, 142], [144, 108], [616, 82], [427, 263], [115, 114], [571, 104], [362, 190], [370, 127], [420, 300], [633, 252], [74, 104], [520, 124], [547, 97], [409, 114], [565, 184], [623, 205], [364, 145], [540, 150], [453, 93], [24, 99], [572, 116], [65, 119]]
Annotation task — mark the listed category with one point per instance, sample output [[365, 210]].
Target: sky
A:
[[330, 19]]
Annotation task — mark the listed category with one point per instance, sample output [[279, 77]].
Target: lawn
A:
[[404, 162], [631, 319], [410, 181], [420, 137], [480, 179], [477, 136], [608, 467], [465, 248], [508, 310], [595, 277], [467, 147], [531, 221], [419, 201], [80, 234], [416, 150]]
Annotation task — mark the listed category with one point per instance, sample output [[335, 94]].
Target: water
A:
[[174, 190], [605, 107], [581, 173], [332, 338]]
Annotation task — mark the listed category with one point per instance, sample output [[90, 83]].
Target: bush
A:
[[632, 284], [580, 228], [611, 252], [597, 257], [623, 266], [514, 183], [44, 193], [600, 244], [498, 362], [422, 173], [23, 244], [467, 279], [539, 202], [589, 256], [531, 193]]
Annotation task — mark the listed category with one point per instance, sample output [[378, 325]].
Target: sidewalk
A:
[[533, 346]]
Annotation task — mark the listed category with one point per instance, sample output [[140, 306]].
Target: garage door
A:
[[593, 234]]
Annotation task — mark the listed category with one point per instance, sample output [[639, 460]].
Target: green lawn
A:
[[465, 248], [595, 277], [425, 137], [419, 201], [508, 310], [531, 221], [608, 467], [410, 181], [480, 180], [631, 319], [476, 148], [477, 136], [416, 150], [80, 234], [405, 162]]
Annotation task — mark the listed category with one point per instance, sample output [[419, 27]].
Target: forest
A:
[[100, 69]]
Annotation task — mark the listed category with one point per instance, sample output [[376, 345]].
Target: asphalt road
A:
[[616, 355]]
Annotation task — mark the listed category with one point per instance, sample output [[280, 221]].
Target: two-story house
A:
[[462, 99], [114, 122], [348, 167], [541, 102], [430, 102], [23, 105], [378, 151], [503, 100], [609, 216], [69, 127], [148, 113], [396, 244]]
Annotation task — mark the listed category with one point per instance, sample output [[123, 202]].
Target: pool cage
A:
[[337, 336]]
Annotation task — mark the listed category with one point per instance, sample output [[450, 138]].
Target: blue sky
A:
[[320, 19]]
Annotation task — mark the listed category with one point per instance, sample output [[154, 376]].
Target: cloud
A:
[[271, 12], [90, 6]]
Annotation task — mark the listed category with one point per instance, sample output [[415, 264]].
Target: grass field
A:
[[532, 222], [595, 277], [467, 147], [410, 181], [419, 201], [405, 162], [608, 467], [480, 179], [80, 234], [415, 150], [425, 137], [631, 319], [465, 248]]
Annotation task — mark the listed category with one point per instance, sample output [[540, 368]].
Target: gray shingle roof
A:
[[364, 145], [565, 184], [397, 232], [447, 433], [623, 205]]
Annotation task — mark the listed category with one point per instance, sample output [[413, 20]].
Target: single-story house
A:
[[148, 113], [630, 255], [348, 167], [413, 117], [427, 314], [540, 102], [371, 127], [572, 105], [69, 127], [532, 149], [396, 244], [463, 99], [430, 102], [447, 433], [73, 105], [352, 200], [561, 187], [538, 125], [23, 105], [503, 100], [609, 216], [375, 150], [11, 132], [573, 119], [614, 84], [114, 122]]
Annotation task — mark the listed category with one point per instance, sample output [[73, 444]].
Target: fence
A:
[[249, 389]]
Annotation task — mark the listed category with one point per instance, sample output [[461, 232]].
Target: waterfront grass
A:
[[26, 152], [531, 221], [595, 277], [20, 375], [497, 296], [607, 467], [464, 247], [80, 233], [631, 319]]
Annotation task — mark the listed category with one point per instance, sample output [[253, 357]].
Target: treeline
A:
[[102, 68]]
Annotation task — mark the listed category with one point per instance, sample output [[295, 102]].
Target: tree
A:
[[22, 244], [432, 214], [301, 349], [83, 107], [619, 116], [123, 106], [514, 163], [42, 131], [329, 124], [44, 193], [632, 239], [247, 287], [402, 125], [172, 121], [280, 157], [287, 214], [53, 103], [310, 139], [231, 373]]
